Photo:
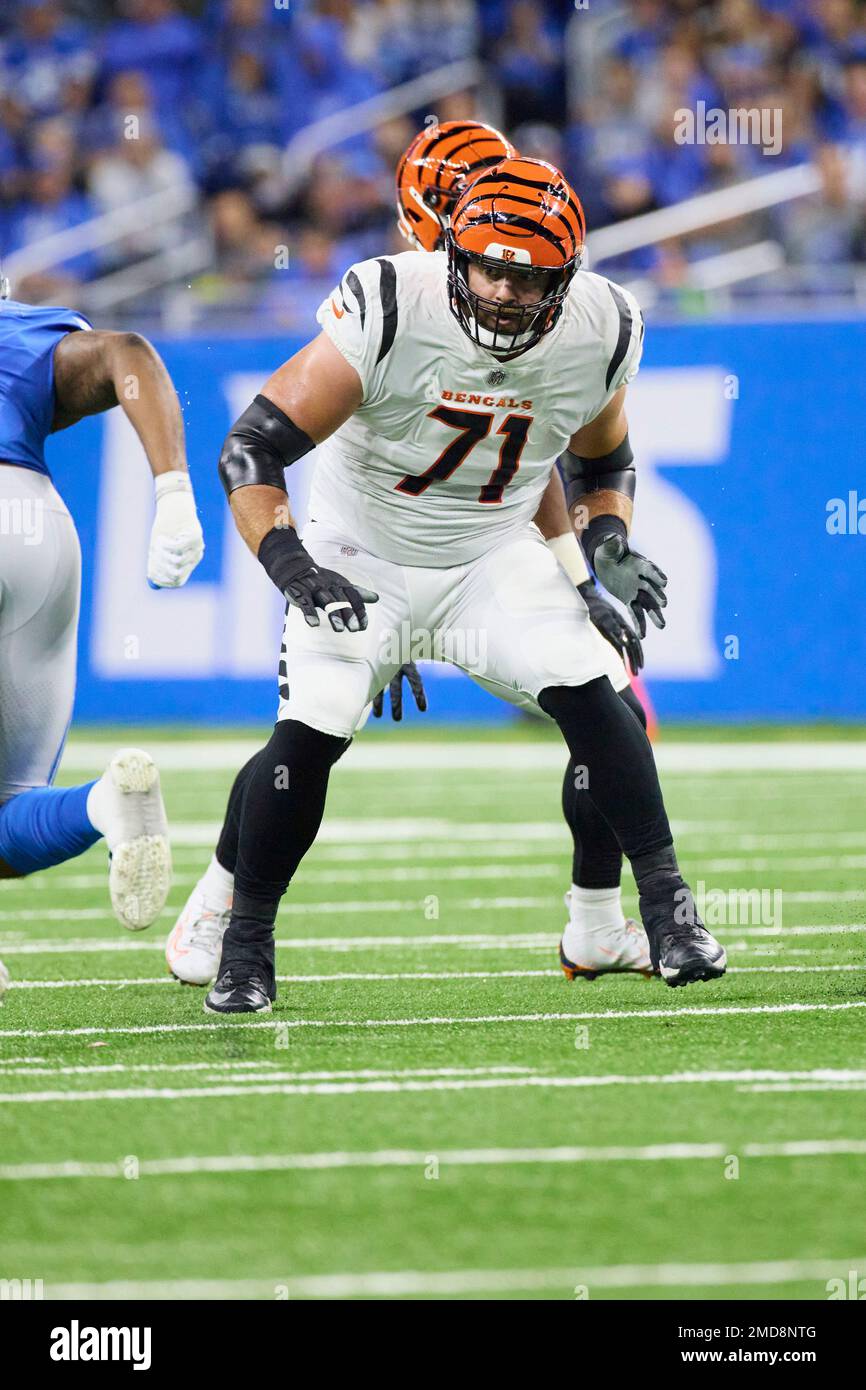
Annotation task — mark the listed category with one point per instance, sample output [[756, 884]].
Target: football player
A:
[[599, 939], [55, 369], [441, 391], [435, 169]]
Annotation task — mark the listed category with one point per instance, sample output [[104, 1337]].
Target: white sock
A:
[[217, 884], [595, 909], [97, 811]]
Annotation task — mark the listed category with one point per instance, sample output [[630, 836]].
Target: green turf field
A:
[[432, 1110]]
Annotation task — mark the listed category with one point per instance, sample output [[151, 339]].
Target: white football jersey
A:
[[451, 450]]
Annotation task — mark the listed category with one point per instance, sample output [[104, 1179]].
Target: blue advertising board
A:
[[749, 446]]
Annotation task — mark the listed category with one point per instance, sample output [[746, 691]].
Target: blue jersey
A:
[[28, 336]]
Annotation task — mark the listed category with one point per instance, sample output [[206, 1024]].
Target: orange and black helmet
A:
[[434, 172], [521, 218]]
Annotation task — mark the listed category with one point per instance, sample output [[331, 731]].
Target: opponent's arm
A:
[[598, 468], [94, 371], [308, 398]]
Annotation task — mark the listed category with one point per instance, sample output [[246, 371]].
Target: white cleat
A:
[[194, 945], [126, 805], [587, 952], [5, 979]]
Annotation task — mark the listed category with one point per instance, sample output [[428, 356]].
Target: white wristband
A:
[[568, 552], [175, 481]]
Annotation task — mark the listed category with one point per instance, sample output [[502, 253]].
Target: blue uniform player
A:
[[55, 369]]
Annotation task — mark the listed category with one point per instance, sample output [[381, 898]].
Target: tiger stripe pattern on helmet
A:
[[530, 203], [436, 168]]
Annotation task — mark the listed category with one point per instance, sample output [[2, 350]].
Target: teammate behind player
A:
[[434, 171], [426, 514], [55, 369]]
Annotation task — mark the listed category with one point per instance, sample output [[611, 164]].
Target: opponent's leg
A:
[[622, 783], [40, 825]]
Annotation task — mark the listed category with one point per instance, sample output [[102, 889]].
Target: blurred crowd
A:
[[105, 102]]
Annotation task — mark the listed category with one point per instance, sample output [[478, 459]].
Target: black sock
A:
[[604, 737], [227, 845], [281, 811], [597, 860]]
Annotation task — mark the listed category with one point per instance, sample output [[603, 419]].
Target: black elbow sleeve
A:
[[259, 446], [614, 471]]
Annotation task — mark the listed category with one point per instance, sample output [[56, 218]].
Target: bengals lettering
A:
[[470, 398]]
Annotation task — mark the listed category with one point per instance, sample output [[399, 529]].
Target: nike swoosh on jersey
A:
[[338, 313]]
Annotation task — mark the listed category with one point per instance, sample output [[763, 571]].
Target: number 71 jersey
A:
[[451, 450]]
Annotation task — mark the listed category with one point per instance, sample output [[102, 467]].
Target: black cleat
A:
[[681, 948], [239, 989], [687, 954]]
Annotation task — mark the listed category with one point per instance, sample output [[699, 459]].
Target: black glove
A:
[[395, 692], [631, 578], [613, 627], [305, 584]]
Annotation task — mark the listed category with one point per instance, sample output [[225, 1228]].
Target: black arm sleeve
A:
[[259, 446], [582, 475]]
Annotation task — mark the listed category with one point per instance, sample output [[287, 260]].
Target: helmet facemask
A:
[[511, 329]]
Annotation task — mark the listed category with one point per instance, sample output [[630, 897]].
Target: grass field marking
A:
[[376, 976], [417, 1158], [388, 906], [463, 940], [456, 873], [806, 1086], [595, 1015], [440, 851], [420, 755], [393, 1283], [289, 1083], [265, 1068]]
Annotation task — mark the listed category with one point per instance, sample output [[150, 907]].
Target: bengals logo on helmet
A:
[[530, 204], [435, 170]]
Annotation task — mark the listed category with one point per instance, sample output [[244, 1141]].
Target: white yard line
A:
[[342, 944], [371, 976], [264, 1068], [290, 1084], [389, 906], [721, 838], [420, 1158], [456, 873], [596, 1015], [296, 909], [396, 1283], [807, 1086], [392, 754]]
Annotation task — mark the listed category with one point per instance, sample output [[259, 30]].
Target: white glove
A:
[[176, 540]]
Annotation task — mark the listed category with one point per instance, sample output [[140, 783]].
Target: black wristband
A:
[[282, 556], [600, 529]]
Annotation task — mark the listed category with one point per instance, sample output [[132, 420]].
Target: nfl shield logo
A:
[[496, 377]]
